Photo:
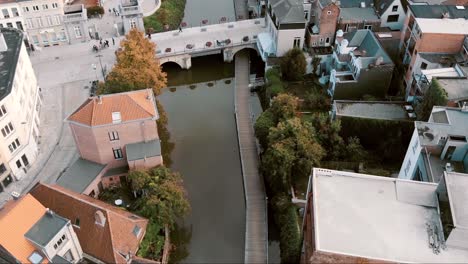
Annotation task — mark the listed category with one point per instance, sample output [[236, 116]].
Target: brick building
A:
[[113, 133], [432, 34], [321, 30]]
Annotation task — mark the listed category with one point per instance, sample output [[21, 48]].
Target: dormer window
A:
[[99, 218], [116, 117], [137, 231], [36, 258]]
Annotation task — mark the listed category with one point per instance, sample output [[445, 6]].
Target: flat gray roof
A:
[[46, 228], [358, 14], [116, 171], [443, 121], [288, 11], [59, 260], [9, 59], [78, 177], [457, 89], [457, 186], [376, 217], [141, 150], [372, 110]]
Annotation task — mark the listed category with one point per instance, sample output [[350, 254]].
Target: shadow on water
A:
[[180, 239]]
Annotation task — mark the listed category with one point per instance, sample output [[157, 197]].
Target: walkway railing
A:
[[171, 53], [256, 233]]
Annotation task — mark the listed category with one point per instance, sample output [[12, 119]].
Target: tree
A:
[[435, 95], [293, 65], [328, 135], [354, 150], [262, 127], [164, 198], [283, 106], [317, 100], [137, 66], [294, 152]]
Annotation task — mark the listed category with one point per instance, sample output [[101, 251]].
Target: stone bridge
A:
[[226, 38]]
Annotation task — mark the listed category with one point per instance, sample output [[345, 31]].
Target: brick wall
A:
[[95, 145]]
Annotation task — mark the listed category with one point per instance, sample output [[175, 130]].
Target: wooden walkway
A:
[[256, 234]]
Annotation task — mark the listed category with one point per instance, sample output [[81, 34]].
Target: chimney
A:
[[15, 195], [3, 45]]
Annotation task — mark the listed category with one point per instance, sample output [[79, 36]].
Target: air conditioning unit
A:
[[15, 195]]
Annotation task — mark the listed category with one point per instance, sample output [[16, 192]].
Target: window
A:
[[10, 25], [392, 18], [18, 164], [99, 218], [49, 20], [1, 25], [137, 231], [39, 22], [407, 167], [6, 131], [45, 38], [69, 256], [35, 258], [35, 39], [77, 222], [394, 8], [306, 15], [3, 111], [35, 8], [116, 118], [346, 28], [297, 42], [19, 25], [8, 179], [29, 23], [2, 168], [15, 12], [57, 19], [5, 13], [62, 36], [415, 146], [113, 135], [53, 36], [369, 27], [14, 145], [133, 23], [327, 40], [25, 9], [77, 30], [25, 160], [117, 153], [45, 6], [54, 5], [328, 12], [423, 65]]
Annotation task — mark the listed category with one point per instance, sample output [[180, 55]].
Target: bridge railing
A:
[[160, 54]]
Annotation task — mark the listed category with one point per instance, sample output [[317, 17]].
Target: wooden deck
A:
[[256, 234]]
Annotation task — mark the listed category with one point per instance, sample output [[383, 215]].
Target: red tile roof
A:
[[107, 243], [132, 105]]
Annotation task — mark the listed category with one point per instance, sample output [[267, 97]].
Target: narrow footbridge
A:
[[226, 38]]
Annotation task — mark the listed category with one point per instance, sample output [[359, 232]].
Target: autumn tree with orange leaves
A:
[[137, 66]]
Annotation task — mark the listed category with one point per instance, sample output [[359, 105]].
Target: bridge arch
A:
[[169, 62], [235, 51]]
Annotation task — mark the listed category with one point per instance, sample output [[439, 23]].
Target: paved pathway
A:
[[256, 236]]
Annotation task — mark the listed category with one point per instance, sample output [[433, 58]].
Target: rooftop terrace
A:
[[372, 110]]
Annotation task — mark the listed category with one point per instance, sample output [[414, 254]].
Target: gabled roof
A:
[[436, 11], [107, 243], [132, 105], [288, 11], [365, 40], [382, 5], [16, 218]]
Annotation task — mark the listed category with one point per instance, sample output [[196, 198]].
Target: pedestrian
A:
[[110, 10], [100, 41], [180, 29], [107, 43], [113, 42]]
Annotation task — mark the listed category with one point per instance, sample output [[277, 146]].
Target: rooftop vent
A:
[[460, 7], [339, 33], [15, 195], [3, 45], [363, 4]]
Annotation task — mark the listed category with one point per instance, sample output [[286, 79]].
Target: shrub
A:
[[293, 65], [286, 219], [435, 95], [95, 10]]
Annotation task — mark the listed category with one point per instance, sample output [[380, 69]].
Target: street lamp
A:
[[95, 68], [102, 69]]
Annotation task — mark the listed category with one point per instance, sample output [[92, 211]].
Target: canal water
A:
[[210, 10], [200, 108]]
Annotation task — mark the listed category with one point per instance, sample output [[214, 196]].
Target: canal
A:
[[200, 107]]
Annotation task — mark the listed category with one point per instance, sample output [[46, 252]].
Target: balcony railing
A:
[[72, 17]]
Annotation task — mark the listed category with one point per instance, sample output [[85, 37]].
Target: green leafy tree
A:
[[355, 151], [328, 135], [284, 106], [153, 243], [137, 66], [262, 127], [294, 152], [435, 95], [293, 65], [164, 198], [317, 100]]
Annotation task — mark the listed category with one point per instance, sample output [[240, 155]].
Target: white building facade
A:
[[10, 15], [20, 104]]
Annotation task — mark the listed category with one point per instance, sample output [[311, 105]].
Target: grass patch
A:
[[171, 13]]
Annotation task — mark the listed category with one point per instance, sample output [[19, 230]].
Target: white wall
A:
[[411, 157], [70, 243], [12, 19], [285, 40], [21, 105], [398, 25]]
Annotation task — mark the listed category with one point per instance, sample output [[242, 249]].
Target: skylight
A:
[[35, 258], [116, 117]]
